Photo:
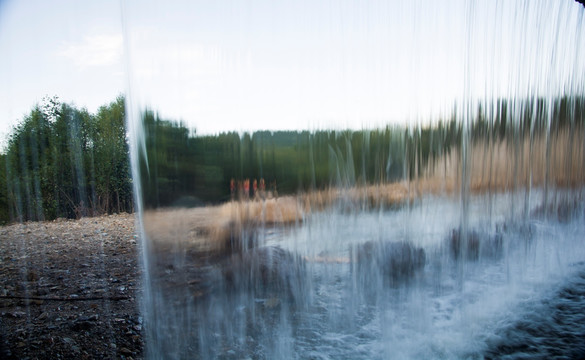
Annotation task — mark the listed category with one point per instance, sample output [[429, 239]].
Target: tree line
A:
[[62, 161], [181, 168]]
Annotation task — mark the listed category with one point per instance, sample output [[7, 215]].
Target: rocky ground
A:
[[69, 290]]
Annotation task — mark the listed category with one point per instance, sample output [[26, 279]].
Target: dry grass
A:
[[282, 210], [214, 228], [235, 217], [357, 197], [493, 166], [558, 160], [180, 227], [210, 228], [505, 166]]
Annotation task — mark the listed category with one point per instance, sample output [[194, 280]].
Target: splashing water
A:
[[455, 234]]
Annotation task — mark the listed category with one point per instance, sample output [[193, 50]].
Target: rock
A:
[[564, 210], [42, 292], [464, 246], [32, 276], [81, 325], [263, 271], [474, 245], [15, 314], [395, 262], [237, 237]]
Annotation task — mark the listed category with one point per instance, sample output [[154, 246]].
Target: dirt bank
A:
[[69, 289]]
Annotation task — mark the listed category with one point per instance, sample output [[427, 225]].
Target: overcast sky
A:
[[264, 64]]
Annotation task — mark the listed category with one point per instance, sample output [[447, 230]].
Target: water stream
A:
[[456, 232]]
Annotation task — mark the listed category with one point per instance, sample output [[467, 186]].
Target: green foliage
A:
[[113, 189], [4, 214], [65, 162], [178, 164]]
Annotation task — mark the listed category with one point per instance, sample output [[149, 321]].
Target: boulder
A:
[[474, 245], [394, 262], [265, 271]]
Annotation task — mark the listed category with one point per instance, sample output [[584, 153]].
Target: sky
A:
[[303, 64], [70, 49]]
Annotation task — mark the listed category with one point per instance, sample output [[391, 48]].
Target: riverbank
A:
[[71, 288]]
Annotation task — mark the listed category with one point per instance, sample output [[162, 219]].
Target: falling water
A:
[[449, 226]]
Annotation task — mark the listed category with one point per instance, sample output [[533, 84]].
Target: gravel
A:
[[69, 289]]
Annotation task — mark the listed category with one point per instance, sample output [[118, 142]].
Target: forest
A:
[[61, 161], [64, 162]]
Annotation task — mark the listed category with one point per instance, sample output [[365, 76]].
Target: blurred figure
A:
[[232, 189], [255, 189], [247, 189], [262, 189], [274, 191]]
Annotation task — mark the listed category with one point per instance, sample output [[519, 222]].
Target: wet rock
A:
[[563, 210], [263, 271], [238, 237], [392, 262], [474, 245], [464, 245]]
